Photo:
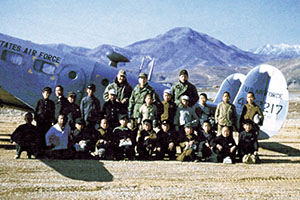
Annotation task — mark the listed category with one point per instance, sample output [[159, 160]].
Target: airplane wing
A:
[[271, 93]]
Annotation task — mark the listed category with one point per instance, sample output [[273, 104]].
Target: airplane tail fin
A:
[[271, 95], [151, 65], [231, 84], [142, 65]]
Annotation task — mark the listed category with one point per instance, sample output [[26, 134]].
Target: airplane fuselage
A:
[[26, 68]]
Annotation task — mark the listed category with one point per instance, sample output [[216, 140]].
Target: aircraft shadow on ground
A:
[[280, 148], [86, 170], [279, 161]]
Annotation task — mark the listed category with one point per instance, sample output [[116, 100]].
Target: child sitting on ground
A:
[[206, 136], [25, 137], [166, 141], [146, 141], [248, 144], [224, 146], [124, 140], [103, 148], [188, 141]]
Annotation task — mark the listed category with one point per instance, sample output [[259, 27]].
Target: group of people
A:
[[134, 124]]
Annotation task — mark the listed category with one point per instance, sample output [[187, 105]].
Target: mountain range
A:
[[278, 50], [207, 59]]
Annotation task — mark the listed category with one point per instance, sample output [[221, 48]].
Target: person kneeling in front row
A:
[[248, 144], [57, 139], [224, 146]]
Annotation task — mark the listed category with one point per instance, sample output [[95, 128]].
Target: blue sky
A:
[[90, 23]]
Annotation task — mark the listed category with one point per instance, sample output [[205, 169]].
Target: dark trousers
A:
[[161, 154], [59, 154], [225, 153], [203, 150], [20, 148], [125, 152], [43, 128], [145, 149], [245, 149]]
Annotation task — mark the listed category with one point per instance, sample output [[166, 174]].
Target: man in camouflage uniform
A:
[[123, 89], [184, 87], [138, 96]]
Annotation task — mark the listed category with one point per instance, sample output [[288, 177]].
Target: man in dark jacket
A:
[[184, 87], [90, 107], [122, 88], [61, 102], [44, 115], [73, 110]]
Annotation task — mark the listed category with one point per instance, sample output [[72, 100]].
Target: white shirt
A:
[[58, 137]]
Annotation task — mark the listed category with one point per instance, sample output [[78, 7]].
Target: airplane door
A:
[[72, 78]]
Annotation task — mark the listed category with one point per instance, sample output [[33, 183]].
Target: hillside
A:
[[291, 70], [207, 59]]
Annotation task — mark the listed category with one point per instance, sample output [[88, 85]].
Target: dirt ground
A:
[[277, 177]]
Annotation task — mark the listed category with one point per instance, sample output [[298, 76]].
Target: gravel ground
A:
[[88, 179]]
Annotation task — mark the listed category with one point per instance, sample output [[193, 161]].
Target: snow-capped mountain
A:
[[279, 50]]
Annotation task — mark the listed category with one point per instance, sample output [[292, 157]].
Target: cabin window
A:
[[72, 75], [12, 57], [105, 82], [45, 67]]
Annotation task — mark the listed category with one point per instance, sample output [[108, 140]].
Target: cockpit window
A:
[[45, 67], [12, 57]]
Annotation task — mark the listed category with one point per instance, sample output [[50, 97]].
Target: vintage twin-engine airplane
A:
[[26, 68]]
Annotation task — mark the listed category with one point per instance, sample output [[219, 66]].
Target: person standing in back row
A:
[[249, 110], [61, 102], [44, 115], [73, 110], [138, 96], [184, 87], [225, 114], [122, 88], [90, 107]]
